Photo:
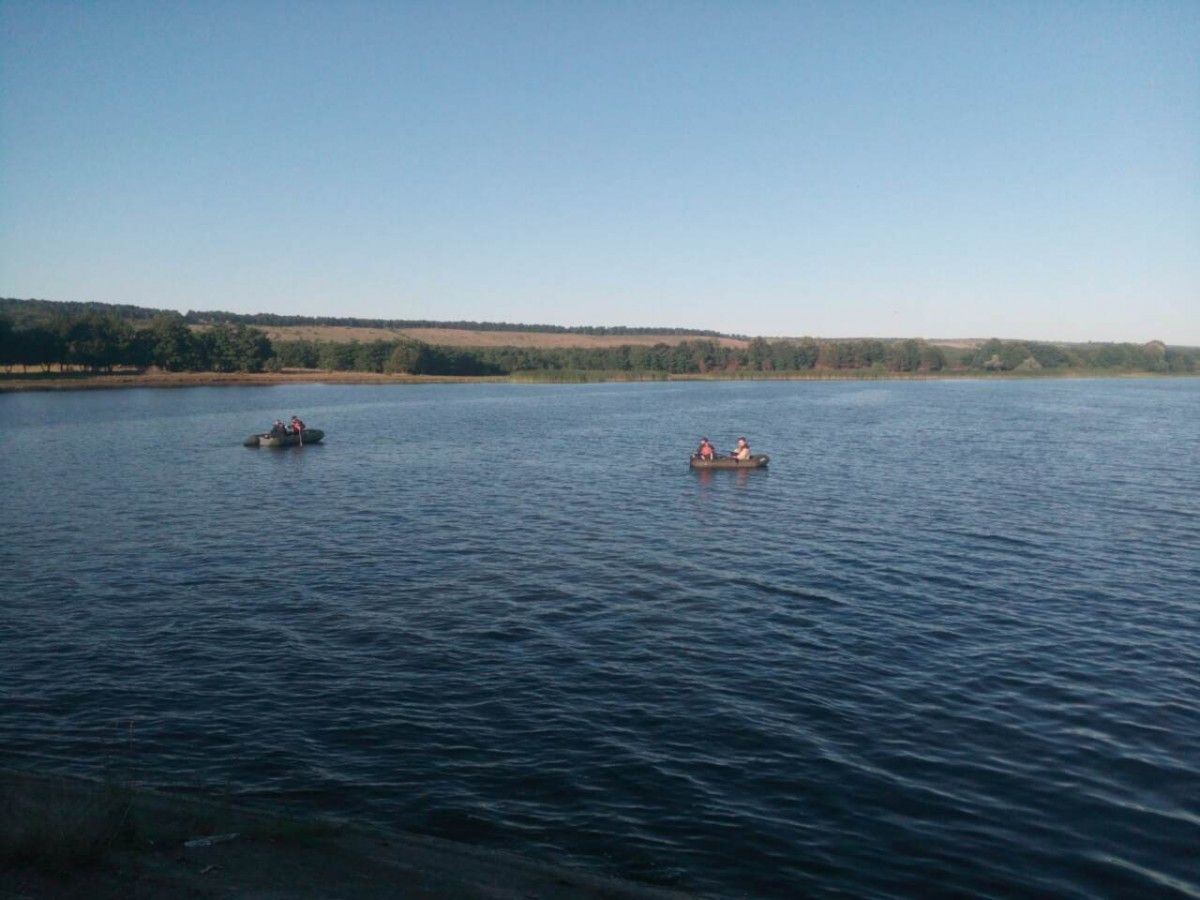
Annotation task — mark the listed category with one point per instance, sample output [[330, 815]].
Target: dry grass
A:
[[458, 337], [959, 343], [464, 337], [337, 333]]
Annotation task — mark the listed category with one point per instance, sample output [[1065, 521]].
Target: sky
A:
[[884, 169]]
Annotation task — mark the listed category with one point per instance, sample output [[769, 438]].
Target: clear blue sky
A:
[[837, 169]]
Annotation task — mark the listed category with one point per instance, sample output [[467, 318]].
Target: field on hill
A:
[[462, 337]]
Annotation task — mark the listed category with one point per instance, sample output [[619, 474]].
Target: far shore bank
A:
[[76, 381], [62, 836]]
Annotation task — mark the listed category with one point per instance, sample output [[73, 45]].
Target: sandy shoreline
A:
[[73, 837], [55, 381], [79, 382]]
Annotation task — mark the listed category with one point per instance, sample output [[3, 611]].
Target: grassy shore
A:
[[71, 837], [58, 381]]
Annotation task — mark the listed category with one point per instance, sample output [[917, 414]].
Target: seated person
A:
[[277, 430], [742, 451], [705, 450]]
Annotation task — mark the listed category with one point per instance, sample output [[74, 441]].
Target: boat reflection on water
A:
[[738, 476]]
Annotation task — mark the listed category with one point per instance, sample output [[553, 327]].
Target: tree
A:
[[1050, 356], [871, 352], [98, 341], [1113, 356], [253, 347], [236, 349], [1013, 354], [804, 354], [1179, 360], [904, 356], [297, 354], [758, 353], [987, 356], [933, 359], [140, 350], [336, 357], [173, 345], [827, 355], [682, 359], [372, 357], [404, 358], [40, 345], [8, 344]]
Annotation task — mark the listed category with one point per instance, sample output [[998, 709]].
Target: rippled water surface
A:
[[948, 644]]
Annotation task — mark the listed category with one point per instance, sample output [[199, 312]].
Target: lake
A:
[[947, 644]]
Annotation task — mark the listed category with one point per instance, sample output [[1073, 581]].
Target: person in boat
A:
[[705, 450], [298, 429], [278, 429], [742, 451]]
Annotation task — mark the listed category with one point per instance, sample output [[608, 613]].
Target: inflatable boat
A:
[[726, 462], [310, 435]]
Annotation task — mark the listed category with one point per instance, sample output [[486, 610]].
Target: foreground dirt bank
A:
[[66, 838]]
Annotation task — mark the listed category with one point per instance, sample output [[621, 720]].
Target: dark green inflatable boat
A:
[[310, 435]]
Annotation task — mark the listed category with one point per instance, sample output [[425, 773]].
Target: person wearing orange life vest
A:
[[298, 429], [705, 450]]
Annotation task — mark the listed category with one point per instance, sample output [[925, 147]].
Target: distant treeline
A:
[[271, 320], [41, 312], [708, 356], [688, 357], [100, 342], [103, 342], [27, 313]]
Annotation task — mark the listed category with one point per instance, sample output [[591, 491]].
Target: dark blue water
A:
[[948, 644]]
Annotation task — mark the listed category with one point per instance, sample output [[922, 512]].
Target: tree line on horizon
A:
[[99, 342], [39, 312]]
